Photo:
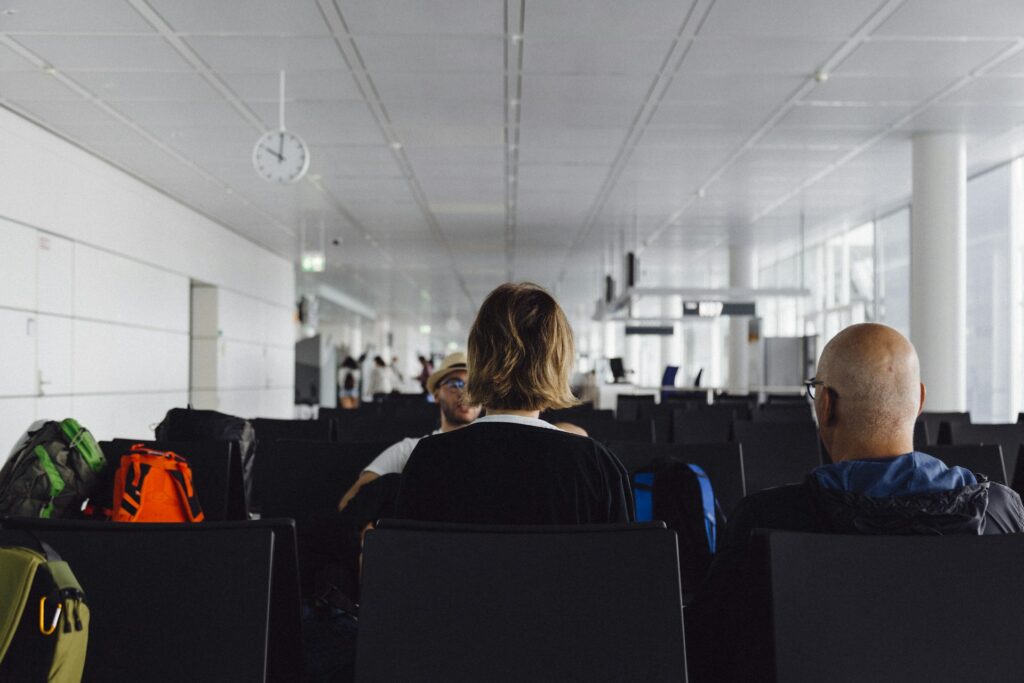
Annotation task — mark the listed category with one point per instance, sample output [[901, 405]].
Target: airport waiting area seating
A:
[[510, 604], [217, 601], [914, 609], [984, 459]]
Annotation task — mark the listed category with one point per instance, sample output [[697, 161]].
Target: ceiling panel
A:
[[573, 136], [325, 123], [432, 53], [267, 17], [267, 53], [605, 18], [875, 89], [439, 17], [950, 58], [175, 113], [60, 16], [110, 53], [791, 56], [531, 155], [26, 86], [441, 112], [321, 84], [788, 17], [58, 113], [984, 91], [137, 85], [590, 56], [844, 115], [955, 18]]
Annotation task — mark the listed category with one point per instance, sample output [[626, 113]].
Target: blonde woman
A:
[[510, 467]]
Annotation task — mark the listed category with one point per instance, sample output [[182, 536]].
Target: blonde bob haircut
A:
[[520, 351]]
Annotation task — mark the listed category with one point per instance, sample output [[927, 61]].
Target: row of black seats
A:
[[217, 601], [603, 604]]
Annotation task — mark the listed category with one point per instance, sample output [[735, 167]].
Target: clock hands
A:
[[280, 145], [280, 158]]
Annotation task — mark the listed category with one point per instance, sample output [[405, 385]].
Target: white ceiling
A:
[[457, 143]]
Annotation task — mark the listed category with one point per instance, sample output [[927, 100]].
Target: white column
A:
[[742, 273], [938, 268]]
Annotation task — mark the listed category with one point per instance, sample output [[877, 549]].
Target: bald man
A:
[[867, 394]]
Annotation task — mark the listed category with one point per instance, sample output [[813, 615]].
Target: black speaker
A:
[[632, 269]]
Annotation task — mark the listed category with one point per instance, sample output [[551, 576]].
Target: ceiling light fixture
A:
[[396, 146], [821, 76], [10, 11]]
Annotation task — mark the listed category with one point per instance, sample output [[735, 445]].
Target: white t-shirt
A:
[[393, 458]]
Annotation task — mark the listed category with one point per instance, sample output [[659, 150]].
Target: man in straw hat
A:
[[447, 384]]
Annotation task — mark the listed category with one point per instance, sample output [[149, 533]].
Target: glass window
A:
[[989, 297], [892, 240]]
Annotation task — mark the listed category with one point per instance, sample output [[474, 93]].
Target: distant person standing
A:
[[399, 377], [348, 384], [380, 379], [426, 369]]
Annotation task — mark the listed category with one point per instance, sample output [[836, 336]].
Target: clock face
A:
[[280, 156]]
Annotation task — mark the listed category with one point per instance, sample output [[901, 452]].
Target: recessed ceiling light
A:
[[396, 145], [52, 71], [516, 37], [514, 102], [10, 11]]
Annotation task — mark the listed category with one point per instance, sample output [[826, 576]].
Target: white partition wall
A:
[[96, 272]]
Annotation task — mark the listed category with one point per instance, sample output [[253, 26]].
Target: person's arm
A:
[[364, 478]]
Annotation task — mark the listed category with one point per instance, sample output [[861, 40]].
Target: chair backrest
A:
[[683, 396], [591, 420], [377, 429], [627, 406], [194, 600], [886, 608], [702, 426], [617, 430], [800, 399], [668, 378], [617, 368], [776, 453], [661, 413], [722, 462], [935, 420], [1009, 436], [987, 460], [784, 412], [922, 437], [293, 430], [305, 479], [216, 473], [585, 603]]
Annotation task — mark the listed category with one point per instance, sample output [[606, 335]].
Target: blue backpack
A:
[[681, 495]]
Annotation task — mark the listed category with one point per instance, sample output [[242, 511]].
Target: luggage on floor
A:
[[52, 470], [186, 424], [680, 494], [154, 486], [44, 623]]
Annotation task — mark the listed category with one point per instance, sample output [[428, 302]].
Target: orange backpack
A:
[[154, 486]]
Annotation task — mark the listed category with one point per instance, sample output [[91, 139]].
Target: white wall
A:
[[95, 287]]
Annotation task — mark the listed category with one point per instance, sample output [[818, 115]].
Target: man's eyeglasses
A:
[[814, 382], [454, 383]]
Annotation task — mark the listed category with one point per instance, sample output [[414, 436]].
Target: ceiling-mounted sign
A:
[[714, 309], [659, 331]]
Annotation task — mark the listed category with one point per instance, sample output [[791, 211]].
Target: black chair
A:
[[934, 421], [1009, 436], [216, 473], [305, 480], [294, 430], [478, 603], [741, 409], [182, 602], [774, 399], [776, 453], [641, 431], [685, 396], [921, 435], [592, 421], [378, 429], [661, 413], [343, 416], [784, 412], [702, 426], [627, 406], [987, 460], [722, 462], [887, 608]]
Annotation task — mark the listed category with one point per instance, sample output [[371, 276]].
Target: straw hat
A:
[[451, 363]]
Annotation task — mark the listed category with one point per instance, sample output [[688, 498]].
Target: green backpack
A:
[[44, 626], [52, 470]]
